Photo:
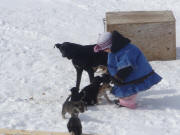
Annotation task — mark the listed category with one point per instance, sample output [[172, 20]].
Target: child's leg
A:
[[129, 102]]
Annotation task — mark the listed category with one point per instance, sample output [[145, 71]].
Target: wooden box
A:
[[152, 31]]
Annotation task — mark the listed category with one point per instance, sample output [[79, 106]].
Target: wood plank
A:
[[129, 17], [30, 132]]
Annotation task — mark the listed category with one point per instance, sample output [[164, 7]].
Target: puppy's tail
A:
[[68, 98]]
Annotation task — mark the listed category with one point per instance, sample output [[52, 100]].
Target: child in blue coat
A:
[[128, 66]]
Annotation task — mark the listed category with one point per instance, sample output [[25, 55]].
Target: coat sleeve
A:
[[120, 65], [112, 68], [124, 67], [123, 62]]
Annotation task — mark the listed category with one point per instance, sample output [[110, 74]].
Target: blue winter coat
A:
[[125, 56]]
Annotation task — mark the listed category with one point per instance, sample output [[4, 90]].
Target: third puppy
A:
[[70, 106]]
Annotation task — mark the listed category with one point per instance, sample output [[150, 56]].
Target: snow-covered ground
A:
[[35, 79]]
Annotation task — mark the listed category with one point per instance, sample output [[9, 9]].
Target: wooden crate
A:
[[5, 131], [152, 31]]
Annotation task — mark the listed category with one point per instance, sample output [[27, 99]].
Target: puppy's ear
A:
[[74, 89], [57, 45], [75, 111]]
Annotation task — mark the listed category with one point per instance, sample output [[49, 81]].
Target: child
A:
[[128, 65]]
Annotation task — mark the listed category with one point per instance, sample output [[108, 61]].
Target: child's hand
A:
[[118, 78]]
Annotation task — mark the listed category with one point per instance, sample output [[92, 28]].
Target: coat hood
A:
[[118, 41]]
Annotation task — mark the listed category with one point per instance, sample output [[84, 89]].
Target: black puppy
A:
[[75, 96], [83, 58], [74, 125], [89, 93]]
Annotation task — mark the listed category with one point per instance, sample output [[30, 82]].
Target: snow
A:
[[35, 79]]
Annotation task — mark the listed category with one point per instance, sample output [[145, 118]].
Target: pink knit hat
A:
[[104, 42]]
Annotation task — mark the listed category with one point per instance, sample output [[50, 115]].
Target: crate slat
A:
[[5, 131]]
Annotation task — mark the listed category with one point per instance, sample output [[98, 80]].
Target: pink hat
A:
[[104, 42]]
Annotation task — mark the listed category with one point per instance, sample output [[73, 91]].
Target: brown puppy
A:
[[106, 83], [102, 92], [101, 69], [70, 106]]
